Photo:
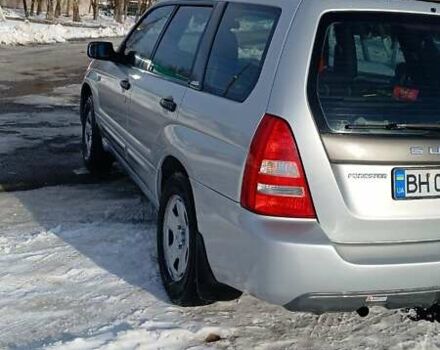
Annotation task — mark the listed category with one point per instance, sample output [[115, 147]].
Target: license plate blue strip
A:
[[399, 184]]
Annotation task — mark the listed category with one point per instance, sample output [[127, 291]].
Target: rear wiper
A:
[[394, 126]]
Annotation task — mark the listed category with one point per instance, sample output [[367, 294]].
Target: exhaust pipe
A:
[[363, 311]]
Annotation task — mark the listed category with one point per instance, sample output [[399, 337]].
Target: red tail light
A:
[[274, 182]]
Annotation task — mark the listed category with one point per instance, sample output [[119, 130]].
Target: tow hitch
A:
[[363, 311]]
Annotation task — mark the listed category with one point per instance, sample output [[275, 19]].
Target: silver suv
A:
[[292, 148]]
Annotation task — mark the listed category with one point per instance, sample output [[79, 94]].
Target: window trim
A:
[[201, 61], [320, 34], [203, 68], [123, 45]]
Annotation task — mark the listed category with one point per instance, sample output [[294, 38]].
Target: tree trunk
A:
[[145, 5], [75, 11], [125, 9], [31, 13], [119, 10], [49, 13], [2, 16], [138, 10], [68, 8], [39, 6], [95, 9], [58, 9], [25, 8]]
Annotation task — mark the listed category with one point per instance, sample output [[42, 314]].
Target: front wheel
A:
[[95, 158]]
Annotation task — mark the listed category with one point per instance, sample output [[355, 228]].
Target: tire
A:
[[95, 158], [176, 242]]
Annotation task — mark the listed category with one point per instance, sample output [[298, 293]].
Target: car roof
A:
[[351, 4]]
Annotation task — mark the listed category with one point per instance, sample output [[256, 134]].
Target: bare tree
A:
[[2, 15], [32, 11], [68, 8], [57, 8], [75, 11], [138, 10], [39, 6], [49, 12], [94, 7], [25, 8], [119, 10]]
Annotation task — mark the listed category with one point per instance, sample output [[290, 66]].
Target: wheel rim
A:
[[176, 238], [88, 135]]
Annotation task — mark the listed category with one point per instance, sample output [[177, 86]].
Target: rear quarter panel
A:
[[343, 220]]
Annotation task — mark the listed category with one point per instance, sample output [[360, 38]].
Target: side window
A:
[[239, 50], [143, 40], [177, 50]]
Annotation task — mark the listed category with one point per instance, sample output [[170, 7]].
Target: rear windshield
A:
[[374, 72]]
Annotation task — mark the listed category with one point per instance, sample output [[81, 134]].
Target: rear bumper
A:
[[293, 263]]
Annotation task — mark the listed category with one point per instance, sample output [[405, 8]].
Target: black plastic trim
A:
[[208, 288], [201, 61], [347, 302]]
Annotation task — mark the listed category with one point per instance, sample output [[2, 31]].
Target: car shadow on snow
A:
[[111, 223]]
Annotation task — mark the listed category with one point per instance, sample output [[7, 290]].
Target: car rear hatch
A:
[[373, 90]]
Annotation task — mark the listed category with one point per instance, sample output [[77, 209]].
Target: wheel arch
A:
[[208, 287], [86, 91], [169, 166]]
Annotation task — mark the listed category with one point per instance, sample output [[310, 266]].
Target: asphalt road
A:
[[39, 116]]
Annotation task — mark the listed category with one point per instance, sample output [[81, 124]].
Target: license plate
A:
[[416, 183]]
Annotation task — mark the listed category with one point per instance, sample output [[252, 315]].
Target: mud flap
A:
[[208, 288]]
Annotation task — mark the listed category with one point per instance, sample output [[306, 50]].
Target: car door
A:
[[115, 78], [159, 86], [112, 97]]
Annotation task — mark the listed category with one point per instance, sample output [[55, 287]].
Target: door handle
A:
[[125, 84], [168, 103]]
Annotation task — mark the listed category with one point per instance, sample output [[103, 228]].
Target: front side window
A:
[[375, 72], [177, 50], [142, 41], [239, 50]]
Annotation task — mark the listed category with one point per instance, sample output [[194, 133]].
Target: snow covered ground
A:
[[24, 33], [78, 271]]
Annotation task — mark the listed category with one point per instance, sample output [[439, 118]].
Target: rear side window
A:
[[177, 50], [143, 40], [373, 71], [239, 50]]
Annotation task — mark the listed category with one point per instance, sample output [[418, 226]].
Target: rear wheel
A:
[[184, 266], [176, 242], [95, 158]]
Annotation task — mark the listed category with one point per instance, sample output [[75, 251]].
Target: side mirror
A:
[[101, 50]]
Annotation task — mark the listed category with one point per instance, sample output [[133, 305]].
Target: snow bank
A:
[[25, 33]]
